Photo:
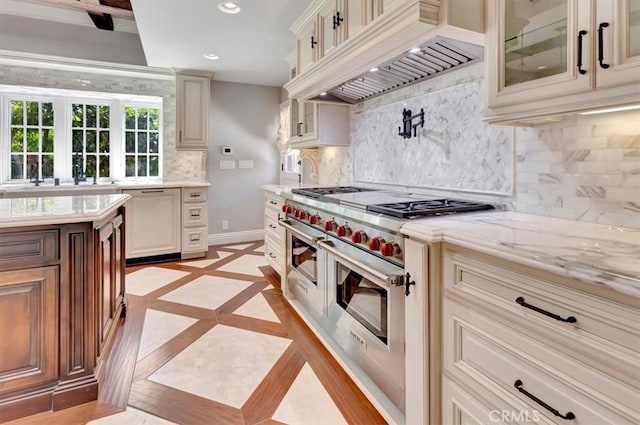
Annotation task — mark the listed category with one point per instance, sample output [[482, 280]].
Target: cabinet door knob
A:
[[581, 34], [601, 28]]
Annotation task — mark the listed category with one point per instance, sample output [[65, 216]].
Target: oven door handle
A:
[[287, 225], [389, 280]]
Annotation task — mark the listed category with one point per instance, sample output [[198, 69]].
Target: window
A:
[[32, 137], [48, 133], [291, 167], [142, 141], [91, 145]]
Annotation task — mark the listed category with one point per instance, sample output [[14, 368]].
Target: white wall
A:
[[245, 117], [21, 34]]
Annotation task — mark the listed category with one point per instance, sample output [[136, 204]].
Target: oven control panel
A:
[[378, 241]]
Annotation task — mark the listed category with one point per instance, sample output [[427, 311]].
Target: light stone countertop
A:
[[592, 253], [285, 189], [46, 210], [88, 186]]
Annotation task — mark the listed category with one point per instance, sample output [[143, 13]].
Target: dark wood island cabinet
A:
[[61, 298]]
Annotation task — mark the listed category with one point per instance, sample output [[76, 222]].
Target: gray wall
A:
[[30, 35], [245, 117]]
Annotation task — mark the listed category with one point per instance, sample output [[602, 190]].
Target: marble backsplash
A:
[[454, 150], [177, 165], [584, 168]]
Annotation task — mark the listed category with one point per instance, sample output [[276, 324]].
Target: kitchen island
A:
[[61, 298]]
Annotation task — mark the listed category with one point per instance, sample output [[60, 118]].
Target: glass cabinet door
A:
[[535, 40], [309, 109], [295, 118], [633, 25]]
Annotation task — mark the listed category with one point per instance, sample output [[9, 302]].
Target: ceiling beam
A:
[[92, 7]]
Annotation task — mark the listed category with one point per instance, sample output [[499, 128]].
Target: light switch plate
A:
[[245, 163], [227, 164]]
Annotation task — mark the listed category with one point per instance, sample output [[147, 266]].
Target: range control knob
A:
[[330, 225], [374, 243], [314, 219], [343, 231], [302, 215], [284, 208], [390, 249], [358, 237]]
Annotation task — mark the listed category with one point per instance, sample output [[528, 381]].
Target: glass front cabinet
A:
[[544, 50]]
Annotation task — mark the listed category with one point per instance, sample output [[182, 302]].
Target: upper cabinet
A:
[[315, 124], [193, 92], [552, 57], [307, 44]]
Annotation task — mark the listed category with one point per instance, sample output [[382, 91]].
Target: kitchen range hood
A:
[[416, 40]]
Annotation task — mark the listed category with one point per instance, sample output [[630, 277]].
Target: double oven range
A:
[[345, 269]]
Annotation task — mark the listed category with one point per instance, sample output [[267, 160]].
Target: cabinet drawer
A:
[[195, 239], [271, 227], [194, 215], [273, 201], [194, 194], [270, 243], [477, 347], [28, 248], [511, 292]]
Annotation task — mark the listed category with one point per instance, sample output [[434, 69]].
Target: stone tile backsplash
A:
[[585, 168], [177, 165]]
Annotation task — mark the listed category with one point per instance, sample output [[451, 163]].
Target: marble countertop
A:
[[45, 210], [285, 189], [88, 186], [592, 253]]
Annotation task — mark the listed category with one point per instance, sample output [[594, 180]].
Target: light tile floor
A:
[[247, 264], [131, 416], [149, 279], [160, 327], [207, 292], [257, 307]]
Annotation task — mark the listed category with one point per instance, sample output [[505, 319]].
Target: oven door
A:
[[305, 273], [366, 313]]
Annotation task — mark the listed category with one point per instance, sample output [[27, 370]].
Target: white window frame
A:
[[123, 130], [62, 126]]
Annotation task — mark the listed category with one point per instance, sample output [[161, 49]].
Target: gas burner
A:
[[427, 207], [317, 192]]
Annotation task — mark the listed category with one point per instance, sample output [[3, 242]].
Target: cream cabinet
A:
[[521, 345], [329, 24], [153, 222], [195, 222], [307, 44], [550, 58], [273, 239], [192, 110], [315, 124]]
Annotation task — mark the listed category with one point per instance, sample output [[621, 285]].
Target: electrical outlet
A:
[[225, 224], [245, 163], [227, 164]]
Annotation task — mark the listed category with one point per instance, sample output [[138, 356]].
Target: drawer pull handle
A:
[[273, 202], [272, 226], [271, 255], [570, 319], [195, 215], [567, 416]]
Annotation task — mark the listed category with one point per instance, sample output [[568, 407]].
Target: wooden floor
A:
[[128, 384]]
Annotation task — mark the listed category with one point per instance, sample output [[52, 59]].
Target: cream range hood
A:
[[416, 40]]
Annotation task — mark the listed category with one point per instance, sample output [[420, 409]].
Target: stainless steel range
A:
[[345, 267]]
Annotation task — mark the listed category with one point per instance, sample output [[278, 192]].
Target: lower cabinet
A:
[[273, 252], [521, 346], [153, 222], [61, 297]]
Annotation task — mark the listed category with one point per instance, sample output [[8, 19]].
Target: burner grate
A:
[[427, 207]]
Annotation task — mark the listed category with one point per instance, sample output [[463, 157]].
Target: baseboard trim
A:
[[236, 237]]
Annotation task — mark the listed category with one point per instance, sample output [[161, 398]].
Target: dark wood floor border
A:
[[341, 388], [77, 415], [233, 275], [181, 309], [172, 286], [121, 363], [181, 407], [156, 359], [266, 398], [253, 324], [242, 297]]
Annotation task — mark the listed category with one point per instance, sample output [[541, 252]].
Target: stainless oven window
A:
[[363, 300], [304, 259]]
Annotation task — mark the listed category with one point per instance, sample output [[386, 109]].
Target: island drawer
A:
[[194, 194], [548, 306], [28, 248]]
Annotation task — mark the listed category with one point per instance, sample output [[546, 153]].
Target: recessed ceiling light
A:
[[211, 56], [415, 50], [374, 69], [324, 93], [229, 7]]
